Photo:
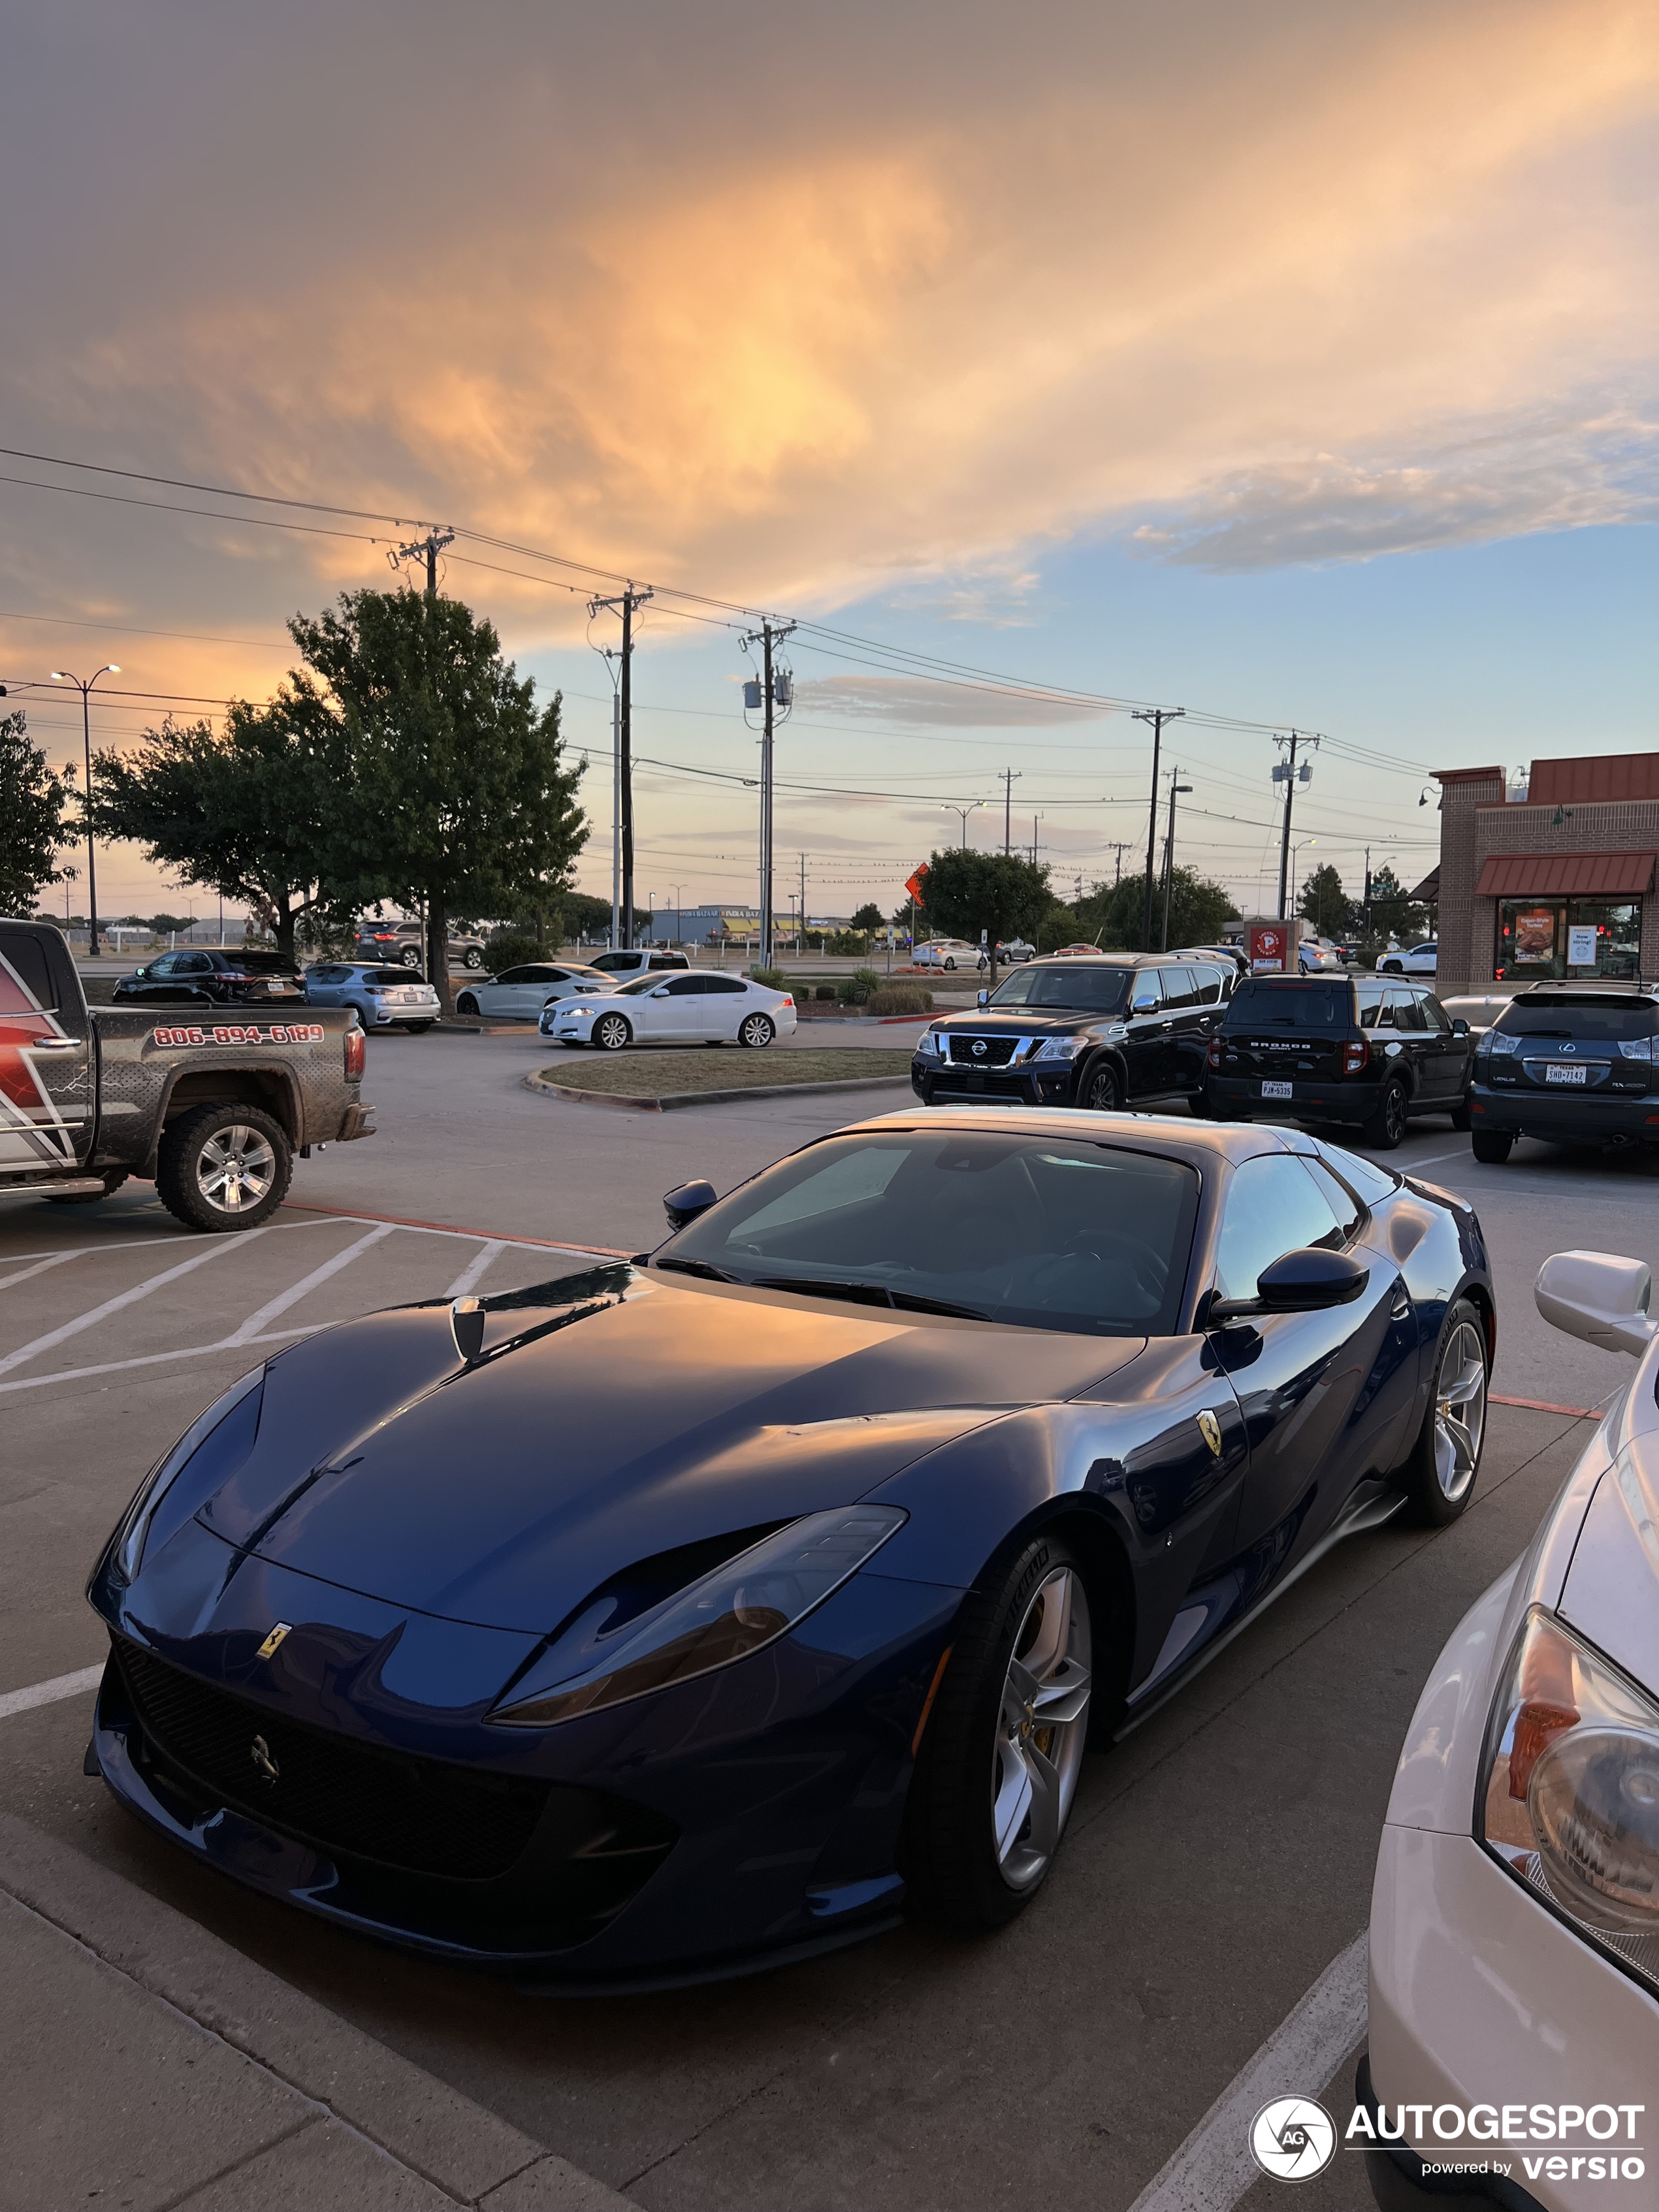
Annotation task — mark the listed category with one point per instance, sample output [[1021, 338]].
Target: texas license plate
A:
[[1560, 1071], [1278, 1090]]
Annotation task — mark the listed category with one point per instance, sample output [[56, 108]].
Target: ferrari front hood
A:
[[504, 1493]]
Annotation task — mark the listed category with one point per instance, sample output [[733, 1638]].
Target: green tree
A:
[[868, 919], [461, 798], [996, 892], [32, 825], [1113, 914], [251, 814], [1325, 904]]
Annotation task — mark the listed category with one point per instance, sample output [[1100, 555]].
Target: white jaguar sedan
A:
[[694, 1008], [1515, 1918]]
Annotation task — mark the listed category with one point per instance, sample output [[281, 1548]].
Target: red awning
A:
[[1566, 875]]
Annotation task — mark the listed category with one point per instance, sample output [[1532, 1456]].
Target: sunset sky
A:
[[1294, 363]]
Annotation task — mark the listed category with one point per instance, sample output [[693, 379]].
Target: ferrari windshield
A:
[[1041, 1233], [1078, 988]]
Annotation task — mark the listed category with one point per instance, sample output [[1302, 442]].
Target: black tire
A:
[[1390, 968], [474, 958], [612, 1032], [467, 1004], [1492, 1147], [1462, 1120], [417, 1029], [953, 1869], [1100, 1092], [195, 1151], [757, 1031], [113, 1182], [948, 964], [1385, 1129], [1440, 1475]]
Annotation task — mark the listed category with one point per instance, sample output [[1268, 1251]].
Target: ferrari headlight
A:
[[1060, 1048], [205, 1457], [747, 1603], [1569, 1790]]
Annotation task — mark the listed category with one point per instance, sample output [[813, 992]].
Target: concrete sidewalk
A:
[[148, 2065]]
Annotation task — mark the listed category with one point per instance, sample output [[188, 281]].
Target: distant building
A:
[[1551, 877]]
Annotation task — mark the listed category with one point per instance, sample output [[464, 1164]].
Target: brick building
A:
[[1551, 878]]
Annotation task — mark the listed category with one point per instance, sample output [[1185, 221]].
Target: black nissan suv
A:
[[1098, 1031], [1367, 1051], [1572, 1063], [197, 977]]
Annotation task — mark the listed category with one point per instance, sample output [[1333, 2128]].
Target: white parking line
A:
[[474, 1269], [57, 1336], [56, 1259], [1213, 2167], [49, 1693], [255, 1322], [160, 1358]]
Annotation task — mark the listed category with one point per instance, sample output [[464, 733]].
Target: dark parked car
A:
[[1357, 1052], [220, 979], [661, 1620], [406, 943], [1100, 1031], [1573, 1063]]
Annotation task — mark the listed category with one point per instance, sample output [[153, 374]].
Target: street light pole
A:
[[950, 806], [62, 676]]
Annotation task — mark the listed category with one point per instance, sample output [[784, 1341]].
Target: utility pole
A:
[[1157, 717], [1287, 773], [1169, 858], [1011, 776], [1367, 907], [616, 816], [1117, 848], [800, 934], [768, 637], [627, 602], [425, 551]]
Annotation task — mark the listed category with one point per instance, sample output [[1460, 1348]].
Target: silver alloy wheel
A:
[[235, 1169], [757, 1031], [1460, 1411], [1041, 1728], [612, 1032]]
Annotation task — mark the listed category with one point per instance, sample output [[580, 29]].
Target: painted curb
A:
[[668, 1103]]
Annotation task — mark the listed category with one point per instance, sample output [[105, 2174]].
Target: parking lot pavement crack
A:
[[200, 2187]]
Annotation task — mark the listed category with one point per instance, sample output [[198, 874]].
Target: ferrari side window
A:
[[1274, 1207]]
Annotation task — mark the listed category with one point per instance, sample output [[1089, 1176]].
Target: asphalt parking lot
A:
[[1219, 1859]]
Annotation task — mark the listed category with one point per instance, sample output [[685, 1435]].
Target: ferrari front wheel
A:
[[1002, 1748]]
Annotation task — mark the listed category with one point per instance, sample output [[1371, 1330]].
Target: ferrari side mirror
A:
[[686, 1203], [1304, 1281]]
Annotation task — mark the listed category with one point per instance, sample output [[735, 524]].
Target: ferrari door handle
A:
[[1401, 1307]]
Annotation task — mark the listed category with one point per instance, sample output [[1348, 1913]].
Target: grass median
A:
[[650, 1074]]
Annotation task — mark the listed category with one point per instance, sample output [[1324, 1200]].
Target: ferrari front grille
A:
[[422, 1816]]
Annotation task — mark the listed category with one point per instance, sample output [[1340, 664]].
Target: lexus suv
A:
[[1572, 1063], [1363, 1052], [1100, 1030]]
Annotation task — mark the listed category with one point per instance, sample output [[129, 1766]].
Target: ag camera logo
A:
[[1293, 2138]]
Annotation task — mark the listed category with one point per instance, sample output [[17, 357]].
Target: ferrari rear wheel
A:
[[1441, 1472], [1003, 1747]]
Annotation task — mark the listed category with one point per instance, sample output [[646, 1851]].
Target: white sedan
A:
[[1514, 1917], [519, 994], [948, 953], [694, 1008]]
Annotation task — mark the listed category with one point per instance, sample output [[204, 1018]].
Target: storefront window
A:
[[1540, 939]]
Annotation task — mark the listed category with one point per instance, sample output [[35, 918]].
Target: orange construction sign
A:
[[918, 883]]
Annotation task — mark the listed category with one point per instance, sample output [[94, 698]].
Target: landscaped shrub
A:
[[825, 991], [900, 999], [861, 985], [511, 950], [773, 978]]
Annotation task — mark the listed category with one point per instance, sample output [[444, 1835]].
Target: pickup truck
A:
[[211, 1110]]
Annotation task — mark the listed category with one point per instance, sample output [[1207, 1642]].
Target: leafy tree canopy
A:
[[868, 918], [32, 825], [461, 796], [996, 892], [251, 814], [1115, 913], [1325, 904]]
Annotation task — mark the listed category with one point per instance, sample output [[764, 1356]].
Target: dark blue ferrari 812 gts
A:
[[696, 1613]]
